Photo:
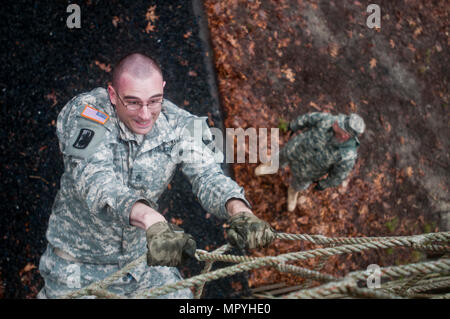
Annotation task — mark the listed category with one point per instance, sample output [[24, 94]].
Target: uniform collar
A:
[[161, 133], [127, 135]]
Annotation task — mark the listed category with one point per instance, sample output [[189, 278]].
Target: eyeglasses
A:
[[134, 106]]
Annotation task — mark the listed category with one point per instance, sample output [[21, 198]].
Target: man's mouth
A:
[[143, 124]]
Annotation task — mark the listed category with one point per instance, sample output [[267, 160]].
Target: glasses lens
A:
[[134, 106]]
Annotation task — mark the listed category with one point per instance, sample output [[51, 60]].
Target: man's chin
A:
[[142, 130]]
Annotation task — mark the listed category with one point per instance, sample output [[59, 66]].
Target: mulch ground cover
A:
[[45, 64], [279, 59]]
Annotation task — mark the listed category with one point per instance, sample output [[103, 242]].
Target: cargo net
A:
[[415, 280]]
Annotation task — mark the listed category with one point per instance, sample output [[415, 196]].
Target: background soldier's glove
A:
[[247, 230], [168, 245]]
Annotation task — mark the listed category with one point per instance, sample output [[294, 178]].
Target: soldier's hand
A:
[[168, 245], [247, 230]]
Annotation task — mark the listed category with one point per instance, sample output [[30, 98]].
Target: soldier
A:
[[120, 148], [328, 146]]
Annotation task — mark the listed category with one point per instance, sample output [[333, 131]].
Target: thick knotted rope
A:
[[334, 286]]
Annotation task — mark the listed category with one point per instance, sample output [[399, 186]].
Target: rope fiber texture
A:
[[403, 281]]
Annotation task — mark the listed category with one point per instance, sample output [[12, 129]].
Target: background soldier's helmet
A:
[[355, 124]]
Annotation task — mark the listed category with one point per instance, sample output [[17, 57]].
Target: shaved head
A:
[[137, 79], [136, 65]]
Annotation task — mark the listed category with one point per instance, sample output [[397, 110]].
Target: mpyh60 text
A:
[[246, 308], [234, 308]]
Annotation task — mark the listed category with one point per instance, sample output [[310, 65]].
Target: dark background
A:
[[45, 64]]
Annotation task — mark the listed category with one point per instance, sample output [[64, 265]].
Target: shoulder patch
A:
[[84, 138], [95, 115]]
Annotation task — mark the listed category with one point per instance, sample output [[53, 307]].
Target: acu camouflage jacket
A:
[[315, 152], [107, 168]]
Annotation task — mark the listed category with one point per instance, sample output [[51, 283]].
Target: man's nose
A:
[[144, 113]]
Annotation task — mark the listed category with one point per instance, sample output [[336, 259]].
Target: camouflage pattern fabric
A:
[[247, 230], [108, 168], [316, 152], [167, 245], [63, 277]]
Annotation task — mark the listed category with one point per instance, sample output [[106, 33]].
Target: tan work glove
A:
[[168, 245], [247, 230]]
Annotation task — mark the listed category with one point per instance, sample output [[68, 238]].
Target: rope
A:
[[351, 248], [334, 286], [208, 265], [304, 272], [430, 286], [411, 287], [349, 283], [103, 284], [320, 239], [347, 287], [213, 275]]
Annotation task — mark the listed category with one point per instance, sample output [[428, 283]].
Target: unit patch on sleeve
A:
[[84, 138], [95, 115]]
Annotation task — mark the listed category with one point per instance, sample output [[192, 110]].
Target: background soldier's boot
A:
[[266, 168], [292, 198]]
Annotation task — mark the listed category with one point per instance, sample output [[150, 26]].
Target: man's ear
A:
[[112, 95], [164, 84]]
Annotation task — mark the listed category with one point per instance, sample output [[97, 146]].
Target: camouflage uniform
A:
[[107, 169], [316, 151]]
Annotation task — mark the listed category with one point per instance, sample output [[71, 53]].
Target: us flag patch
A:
[[95, 115]]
